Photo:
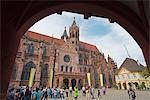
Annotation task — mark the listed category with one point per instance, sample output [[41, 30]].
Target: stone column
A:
[[38, 68], [19, 72], [60, 81], [127, 85], [122, 87], [70, 82]]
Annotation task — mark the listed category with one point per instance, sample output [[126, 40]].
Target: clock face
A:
[[66, 58]]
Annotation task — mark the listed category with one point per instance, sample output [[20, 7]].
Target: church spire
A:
[[74, 22], [65, 35]]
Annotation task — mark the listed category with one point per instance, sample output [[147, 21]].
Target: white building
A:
[[129, 75]]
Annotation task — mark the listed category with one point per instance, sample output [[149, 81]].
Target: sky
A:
[[110, 38]]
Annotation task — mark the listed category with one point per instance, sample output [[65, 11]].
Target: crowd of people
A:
[[26, 93]]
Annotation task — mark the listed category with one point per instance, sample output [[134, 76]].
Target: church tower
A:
[[74, 35]]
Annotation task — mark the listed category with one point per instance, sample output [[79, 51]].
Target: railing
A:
[[27, 54], [46, 58]]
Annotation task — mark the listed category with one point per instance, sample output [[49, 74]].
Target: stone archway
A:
[[130, 85], [73, 83], [57, 83], [136, 85], [119, 86], [16, 26], [26, 73], [65, 83], [125, 86]]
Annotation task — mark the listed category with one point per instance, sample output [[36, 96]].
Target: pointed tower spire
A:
[[74, 22], [65, 35]]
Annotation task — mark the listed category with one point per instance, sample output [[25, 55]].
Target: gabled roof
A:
[[88, 46], [46, 38], [131, 65]]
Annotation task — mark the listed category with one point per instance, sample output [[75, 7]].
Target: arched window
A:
[[80, 69], [44, 51], [14, 72], [73, 35], [89, 70], [26, 71], [70, 69], [44, 71], [44, 74], [31, 48], [66, 69], [76, 34], [85, 69], [85, 60], [81, 59], [61, 68]]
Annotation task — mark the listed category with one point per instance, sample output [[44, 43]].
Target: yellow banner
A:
[[32, 73], [89, 79], [101, 80], [50, 78]]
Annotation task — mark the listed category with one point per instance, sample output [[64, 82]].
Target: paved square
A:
[[113, 94]]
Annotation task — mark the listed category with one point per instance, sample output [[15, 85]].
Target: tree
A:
[[145, 73]]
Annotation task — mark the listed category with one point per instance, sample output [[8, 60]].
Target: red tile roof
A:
[[88, 46], [39, 36], [131, 65], [46, 38]]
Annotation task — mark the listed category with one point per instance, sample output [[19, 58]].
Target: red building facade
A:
[[68, 57]]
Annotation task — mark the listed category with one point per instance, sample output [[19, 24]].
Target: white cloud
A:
[[110, 43]]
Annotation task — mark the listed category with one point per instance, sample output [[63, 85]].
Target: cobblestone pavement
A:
[[112, 94]]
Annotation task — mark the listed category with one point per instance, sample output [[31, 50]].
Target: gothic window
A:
[[80, 69], [89, 70], [76, 34], [85, 60], [31, 49], [70, 69], [66, 69], [72, 42], [62, 68], [14, 73], [85, 69], [44, 51], [26, 71], [44, 71], [81, 59], [73, 35]]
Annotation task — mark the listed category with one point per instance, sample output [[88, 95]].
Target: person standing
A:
[[99, 93], [70, 89], [11, 94], [66, 92], [55, 94], [92, 90], [76, 93], [62, 93], [104, 90], [50, 93], [131, 94], [84, 91], [38, 94]]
